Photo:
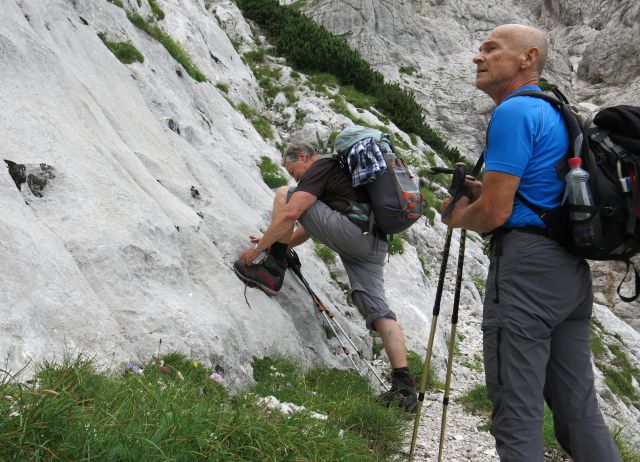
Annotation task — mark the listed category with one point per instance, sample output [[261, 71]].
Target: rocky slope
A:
[[140, 186]]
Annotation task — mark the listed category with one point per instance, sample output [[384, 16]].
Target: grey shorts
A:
[[363, 257]]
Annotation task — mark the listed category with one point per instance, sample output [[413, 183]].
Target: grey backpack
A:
[[395, 199]]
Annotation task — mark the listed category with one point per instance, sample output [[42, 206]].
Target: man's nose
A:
[[477, 58]]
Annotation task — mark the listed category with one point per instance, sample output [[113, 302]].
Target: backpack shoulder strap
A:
[[579, 146]]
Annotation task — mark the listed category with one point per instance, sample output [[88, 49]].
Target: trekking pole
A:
[[456, 189], [452, 340], [427, 359], [294, 263]]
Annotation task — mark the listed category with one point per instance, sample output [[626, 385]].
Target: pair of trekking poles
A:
[[456, 190], [293, 263]]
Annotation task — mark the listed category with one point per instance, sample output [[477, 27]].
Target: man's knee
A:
[[372, 309]]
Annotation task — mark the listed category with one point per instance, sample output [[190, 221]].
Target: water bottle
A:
[[586, 231]]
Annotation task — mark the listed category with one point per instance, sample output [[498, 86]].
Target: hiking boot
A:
[[402, 394], [266, 275]]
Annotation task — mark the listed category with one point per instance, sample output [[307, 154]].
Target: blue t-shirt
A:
[[527, 138]]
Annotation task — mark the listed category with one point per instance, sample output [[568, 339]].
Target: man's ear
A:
[[530, 58]]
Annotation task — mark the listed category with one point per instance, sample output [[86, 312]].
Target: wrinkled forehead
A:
[[499, 37]]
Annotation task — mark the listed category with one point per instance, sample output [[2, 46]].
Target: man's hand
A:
[[248, 255], [472, 188], [461, 204]]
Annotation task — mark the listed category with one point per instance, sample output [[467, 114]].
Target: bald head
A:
[[512, 56], [524, 38]]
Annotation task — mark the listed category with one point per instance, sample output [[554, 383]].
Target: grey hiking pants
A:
[[536, 348], [362, 255]]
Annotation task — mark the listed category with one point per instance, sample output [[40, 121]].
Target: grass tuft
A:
[[174, 48], [156, 10], [259, 122], [126, 52], [271, 173], [327, 255]]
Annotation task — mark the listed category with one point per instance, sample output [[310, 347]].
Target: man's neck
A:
[[513, 86]]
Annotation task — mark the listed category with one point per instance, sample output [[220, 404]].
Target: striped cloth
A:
[[365, 161]]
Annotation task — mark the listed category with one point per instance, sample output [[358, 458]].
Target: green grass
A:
[[173, 48], [481, 284], [476, 401], [259, 122], [618, 371], [272, 173], [357, 98], [327, 255], [407, 70], [433, 201], [156, 10], [598, 348], [126, 52], [223, 87], [116, 3], [173, 410], [257, 56], [425, 266], [416, 364], [628, 451]]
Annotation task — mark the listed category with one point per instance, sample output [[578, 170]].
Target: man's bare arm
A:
[[491, 209]]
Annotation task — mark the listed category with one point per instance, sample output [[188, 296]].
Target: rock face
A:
[[115, 253]]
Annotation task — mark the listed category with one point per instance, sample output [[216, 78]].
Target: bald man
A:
[[538, 299]]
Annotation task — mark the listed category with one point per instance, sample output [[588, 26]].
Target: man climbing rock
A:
[[316, 202]]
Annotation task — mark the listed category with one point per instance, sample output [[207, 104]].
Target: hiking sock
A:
[[279, 251], [401, 373], [403, 377]]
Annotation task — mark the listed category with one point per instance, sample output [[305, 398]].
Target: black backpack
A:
[[610, 151]]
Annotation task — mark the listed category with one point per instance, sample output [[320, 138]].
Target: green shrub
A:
[[156, 10], [433, 201], [126, 52], [272, 173], [396, 244], [259, 122], [312, 48], [175, 50]]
